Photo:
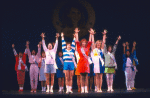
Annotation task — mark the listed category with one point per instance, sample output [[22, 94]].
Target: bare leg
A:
[[52, 81], [47, 75], [67, 80], [101, 80], [97, 81], [78, 83], [59, 84], [91, 82]]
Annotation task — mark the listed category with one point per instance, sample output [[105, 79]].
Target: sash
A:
[[87, 57], [73, 59], [61, 60], [112, 56], [101, 59]]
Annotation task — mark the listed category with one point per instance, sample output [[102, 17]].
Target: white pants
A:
[[34, 70], [130, 76], [109, 79]]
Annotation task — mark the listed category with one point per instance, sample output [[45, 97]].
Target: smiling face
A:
[[33, 52], [20, 54], [43, 54], [68, 46], [60, 54], [98, 44], [83, 43], [109, 48], [50, 46], [127, 53]]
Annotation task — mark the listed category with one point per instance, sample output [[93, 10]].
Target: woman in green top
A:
[[110, 63]]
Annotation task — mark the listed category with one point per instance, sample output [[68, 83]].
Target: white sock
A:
[[44, 88], [95, 87], [21, 88], [70, 88], [59, 88], [48, 87], [51, 87], [82, 89], [67, 88], [85, 88], [62, 88]]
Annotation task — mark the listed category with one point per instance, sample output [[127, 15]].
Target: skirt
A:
[[109, 69], [41, 74], [20, 76]]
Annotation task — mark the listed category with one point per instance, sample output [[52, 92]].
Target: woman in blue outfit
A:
[[42, 77], [128, 66], [59, 73]]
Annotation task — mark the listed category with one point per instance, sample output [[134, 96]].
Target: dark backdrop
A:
[[24, 20]]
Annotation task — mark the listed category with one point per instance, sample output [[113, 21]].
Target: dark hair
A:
[[34, 50], [68, 43], [109, 46], [21, 52], [43, 51]]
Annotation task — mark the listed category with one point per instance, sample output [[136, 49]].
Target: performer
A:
[[128, 66], [20, 67], [42, 77], [98, 51], [60, 74], [110, 63], [69, 62], [83, 63], [34, 70], [50, 64], [77, 71], [91, 75]]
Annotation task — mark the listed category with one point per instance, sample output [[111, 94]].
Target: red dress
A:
[[83, 64], [20, 73]]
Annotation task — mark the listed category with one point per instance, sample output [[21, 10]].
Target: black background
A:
[[24, 20]]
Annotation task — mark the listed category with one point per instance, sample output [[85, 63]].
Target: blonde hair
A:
[[97, 42]]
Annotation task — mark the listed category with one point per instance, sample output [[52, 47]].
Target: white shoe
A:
[[108, 90], [111, 90], [129, 89], [86, 91], [99, 91], [47, 90], [71, 91], [82, 91], [95, 90], [51, 91], [67, 92]]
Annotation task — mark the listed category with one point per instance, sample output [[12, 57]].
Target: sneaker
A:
[[31, 91], [67, 92], [99, 91], [35, 90], [51, 91], [111, 90], [47, 90], [71, 91], [86, 91], [129, 89]]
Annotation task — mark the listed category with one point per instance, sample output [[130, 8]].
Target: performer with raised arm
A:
[[110, 63], [128, 66], [83, 49], [42, 77], [50, 63], [98, 52], [20, 67], [69, 62], [60, 74], [34, 70], [77, 71]]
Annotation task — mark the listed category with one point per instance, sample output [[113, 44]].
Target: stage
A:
[[117, 93]]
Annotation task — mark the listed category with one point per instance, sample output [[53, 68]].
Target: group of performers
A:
[[93, 59]]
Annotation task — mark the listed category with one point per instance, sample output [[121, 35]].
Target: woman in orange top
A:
[[83, 49]]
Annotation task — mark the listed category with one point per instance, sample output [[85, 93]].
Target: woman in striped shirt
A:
[[69, 62]]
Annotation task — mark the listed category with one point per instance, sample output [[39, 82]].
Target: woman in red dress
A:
[[83, 48]]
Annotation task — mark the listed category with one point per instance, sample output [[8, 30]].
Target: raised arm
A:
[[56, 43], [127, 45], [39, 49], [133, 48], [43, 42], [124, 48], [28, 50], [104, 38], [115, 46], [63, 41], [73, 44], [15, 53]]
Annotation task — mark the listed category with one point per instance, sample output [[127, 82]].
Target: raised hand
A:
[[27, 42], [62, 34], [57, 35], [123, 44], [76, 30], [43, 35], [13, 45], [40, 43], [119, 37], [91, 31], [134, 43], [105, 31]]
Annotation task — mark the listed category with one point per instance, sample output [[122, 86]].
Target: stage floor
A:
[[116, 93]]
